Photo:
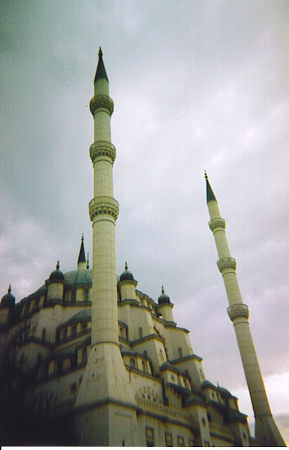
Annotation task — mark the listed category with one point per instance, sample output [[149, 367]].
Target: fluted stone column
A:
[[266, 430]]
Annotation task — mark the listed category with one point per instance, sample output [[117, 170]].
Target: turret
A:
[[165, 307], [55, 285], [266, 431], [7, 308], [127, 285]]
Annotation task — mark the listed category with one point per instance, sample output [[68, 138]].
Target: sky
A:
[[196, 85]]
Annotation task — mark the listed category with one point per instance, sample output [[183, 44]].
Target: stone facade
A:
[[48, 340]]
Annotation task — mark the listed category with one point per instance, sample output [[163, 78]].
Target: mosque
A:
[[90, 360]]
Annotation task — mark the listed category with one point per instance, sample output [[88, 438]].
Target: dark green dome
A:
[[224, 392], [82, 276], [163, 298], [8, 299], [56, 275], [126, 275]]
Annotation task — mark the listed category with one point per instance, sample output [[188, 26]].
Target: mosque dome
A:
[[56, 275], [78, 277], [163, 298], [8, 299], [126, 275]]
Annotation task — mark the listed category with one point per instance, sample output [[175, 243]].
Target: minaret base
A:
[[105, 408], [267, 433]]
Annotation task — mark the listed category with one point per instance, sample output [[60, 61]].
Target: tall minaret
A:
[[105, 382], [266, 431]]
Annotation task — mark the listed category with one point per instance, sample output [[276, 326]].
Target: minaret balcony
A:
[[238, 311], [102, 149], [101, 102], [103, 205]]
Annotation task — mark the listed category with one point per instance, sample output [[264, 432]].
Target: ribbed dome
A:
[[56, 274], [8, 299], [82, 276], [126, 275], [163, 298]]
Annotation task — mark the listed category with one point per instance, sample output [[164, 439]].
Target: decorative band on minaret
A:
[[266, 431]]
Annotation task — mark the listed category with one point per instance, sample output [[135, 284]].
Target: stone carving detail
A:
[[103, 206], [226, 263], [238, 311], [217, 222], [101, 101], [102, 148]]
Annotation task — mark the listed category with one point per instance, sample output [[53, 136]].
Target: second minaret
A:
[[266, 431]]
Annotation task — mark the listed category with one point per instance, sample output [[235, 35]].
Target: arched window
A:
[[140, 332], [143, 366]]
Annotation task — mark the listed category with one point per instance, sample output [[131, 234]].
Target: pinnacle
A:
[[100, 70], [81, 257]]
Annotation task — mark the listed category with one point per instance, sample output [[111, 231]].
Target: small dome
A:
[[224, 392], [56, 274], [208, 384], [163, 298], [126, 275], [8, 299]]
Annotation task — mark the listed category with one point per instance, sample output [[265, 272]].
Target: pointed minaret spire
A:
[[266, 431], [100, 70], [210, 192], [81, 263]]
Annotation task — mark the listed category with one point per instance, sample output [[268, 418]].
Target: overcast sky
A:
[[197, 85]]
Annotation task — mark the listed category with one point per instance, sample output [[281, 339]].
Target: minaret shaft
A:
[[266, 430], [105, 383]]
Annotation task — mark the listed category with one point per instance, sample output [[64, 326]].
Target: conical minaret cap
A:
[[210, 193], [81, 257], [100, 70]]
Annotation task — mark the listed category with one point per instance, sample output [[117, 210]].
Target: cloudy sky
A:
[[196, 85]]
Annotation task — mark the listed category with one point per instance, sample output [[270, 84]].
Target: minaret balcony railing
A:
[[238, 311], [217, 222], [226, 263], [101, 102], [102, 148], [103, 205]]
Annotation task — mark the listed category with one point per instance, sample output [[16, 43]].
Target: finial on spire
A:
[[206, 175], [9, 289], [57, 265], [87, 261], [100, 70], [163, 291], [82, 237], [126, 266]]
